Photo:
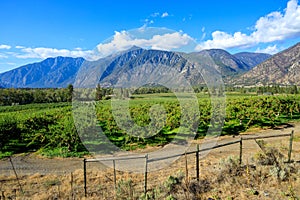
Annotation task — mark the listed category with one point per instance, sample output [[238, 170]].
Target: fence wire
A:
[[109, 182]]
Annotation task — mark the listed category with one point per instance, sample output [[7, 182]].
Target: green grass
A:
[[60, 152], [5, 154]]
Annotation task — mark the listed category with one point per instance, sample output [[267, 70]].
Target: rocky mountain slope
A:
[[252, 59], [283, 68], [50, 73]]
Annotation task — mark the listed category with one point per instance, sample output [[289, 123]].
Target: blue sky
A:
[[33, 30]]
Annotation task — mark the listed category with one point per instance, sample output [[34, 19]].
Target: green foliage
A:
[[173, 181], [70, 90], [8, 131], [5, 154], [170, 197], [60, 152], [26, 96], [49, 127]]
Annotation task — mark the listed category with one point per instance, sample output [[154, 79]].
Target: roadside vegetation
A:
[[268, 176]]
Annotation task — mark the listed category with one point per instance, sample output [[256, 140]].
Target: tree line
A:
[[12, 96]]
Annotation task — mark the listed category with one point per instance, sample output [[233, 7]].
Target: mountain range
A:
[[282, 68], [50, 73], [129, 66]]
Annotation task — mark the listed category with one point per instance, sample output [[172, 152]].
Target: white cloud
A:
[[275, 26], [148, 22], [42, 52], [165, 14], [4, 46], [3, 56], [155, 14], [19, 47], [270, 50], [123, 40], [203, 36], [203, 33], [8, 63]]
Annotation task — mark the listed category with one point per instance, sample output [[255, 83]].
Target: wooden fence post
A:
[[71, 184], [197, 163], [146, 171], [84, 176], [291, 146], [241, 150], [186, 169]]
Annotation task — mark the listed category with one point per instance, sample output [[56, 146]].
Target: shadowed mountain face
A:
[[130, 66], [50, 73], [227, 63], [252, 59], [283, 68]]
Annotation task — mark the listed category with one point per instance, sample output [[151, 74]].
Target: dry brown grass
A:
[[228, 180]]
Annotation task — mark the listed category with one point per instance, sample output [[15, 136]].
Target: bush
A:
[[8, 131], [173, 181], [125, 189], [271, 156], [231, 166]]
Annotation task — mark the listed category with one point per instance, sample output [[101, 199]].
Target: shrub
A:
[[125, 189], [272, 156], [8, 131]]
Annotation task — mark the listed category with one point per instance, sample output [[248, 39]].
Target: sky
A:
[[34, 30]]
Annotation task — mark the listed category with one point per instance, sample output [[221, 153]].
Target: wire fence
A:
[[97, 180], [194, 169]]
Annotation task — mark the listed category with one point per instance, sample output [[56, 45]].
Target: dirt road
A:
[[26, 164]]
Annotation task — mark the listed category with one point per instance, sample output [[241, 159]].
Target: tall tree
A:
[[70, 91], [99, 92]]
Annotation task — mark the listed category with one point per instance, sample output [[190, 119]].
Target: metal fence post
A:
[[241, 150], [146, 173], [14, 169], [197, 162], [186, 169], [115, 175], [291, 146], [84, 176]]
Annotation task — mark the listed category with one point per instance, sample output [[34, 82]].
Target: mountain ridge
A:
[[61, 71], [282, 68], [51, 72]]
